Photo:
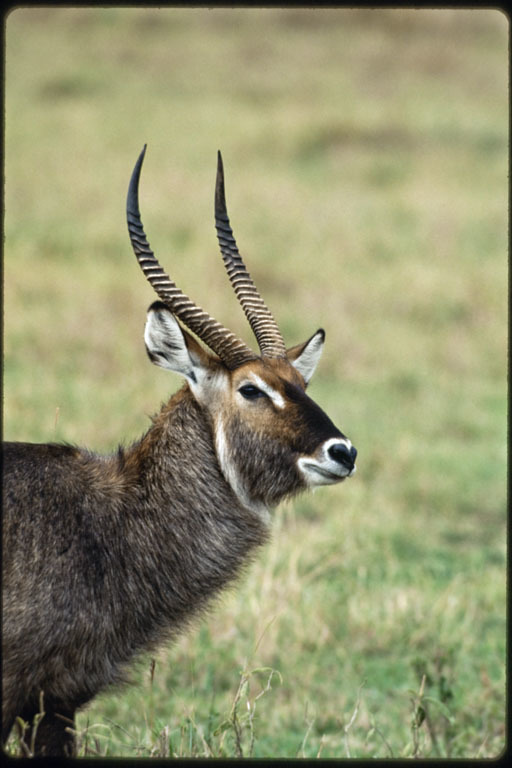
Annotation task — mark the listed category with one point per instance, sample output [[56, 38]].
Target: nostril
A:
[[341, 453]]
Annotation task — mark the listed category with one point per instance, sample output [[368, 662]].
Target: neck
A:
[[188, 516]]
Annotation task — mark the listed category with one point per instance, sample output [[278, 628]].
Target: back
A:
[[48, 496]]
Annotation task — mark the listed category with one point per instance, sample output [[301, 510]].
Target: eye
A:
[[250, 392]]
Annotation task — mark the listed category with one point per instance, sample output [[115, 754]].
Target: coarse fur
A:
[[105, 557], [114, 555]]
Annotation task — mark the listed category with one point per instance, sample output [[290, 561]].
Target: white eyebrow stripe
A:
[[276, 398]]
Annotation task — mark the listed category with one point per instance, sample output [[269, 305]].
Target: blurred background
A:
[[366, 159]]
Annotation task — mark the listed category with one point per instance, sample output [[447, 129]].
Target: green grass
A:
[[366, 173]]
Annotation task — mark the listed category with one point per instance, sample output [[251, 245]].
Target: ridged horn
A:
[[264, 326], [232, 351]]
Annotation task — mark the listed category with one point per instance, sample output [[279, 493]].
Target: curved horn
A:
[[264, 326], [231, 350]]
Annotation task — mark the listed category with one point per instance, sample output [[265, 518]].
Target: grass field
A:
[[366, 173]]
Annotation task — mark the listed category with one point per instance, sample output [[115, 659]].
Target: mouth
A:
[[322, 475]]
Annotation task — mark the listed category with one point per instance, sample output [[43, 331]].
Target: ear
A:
[[170, 346], [305, 357]]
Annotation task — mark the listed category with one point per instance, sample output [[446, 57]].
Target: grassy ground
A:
[[366, 175]]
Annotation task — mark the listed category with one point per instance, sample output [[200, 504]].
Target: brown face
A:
[[275, 439], [271, 439]]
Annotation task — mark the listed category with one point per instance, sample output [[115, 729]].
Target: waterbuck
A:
[[105, 557]]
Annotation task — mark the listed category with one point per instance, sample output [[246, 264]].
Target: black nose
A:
[[341, 453]]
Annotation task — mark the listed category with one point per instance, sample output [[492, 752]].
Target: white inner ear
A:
[[166, 344], [308, 359]]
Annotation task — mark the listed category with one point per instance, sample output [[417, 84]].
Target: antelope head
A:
[[271, 439]]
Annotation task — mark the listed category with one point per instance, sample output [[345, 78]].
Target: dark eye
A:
[[250, 392]]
